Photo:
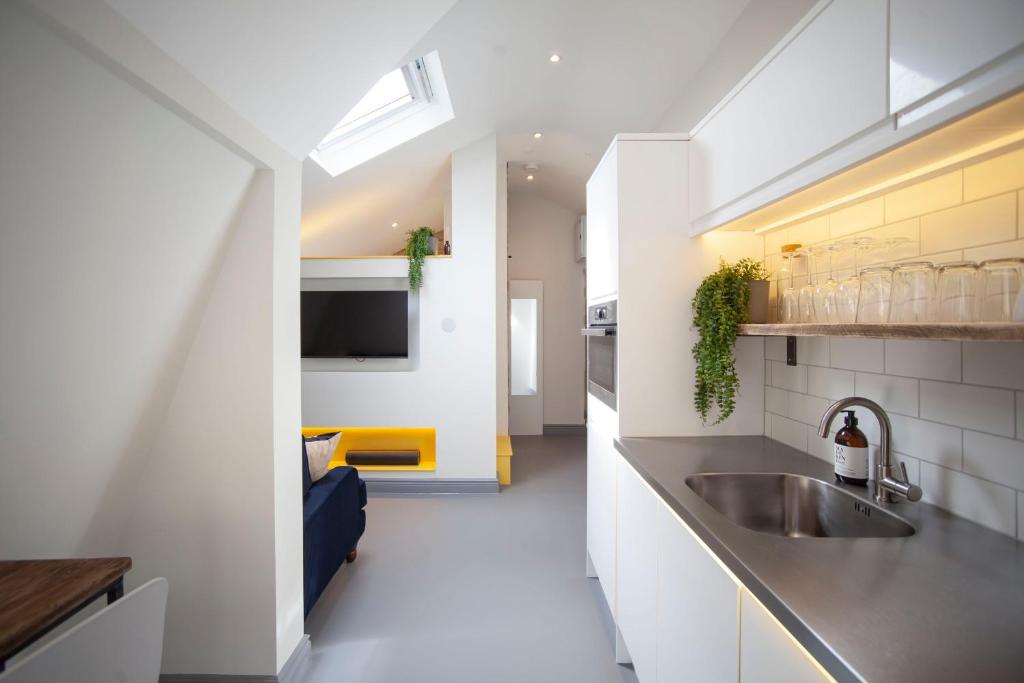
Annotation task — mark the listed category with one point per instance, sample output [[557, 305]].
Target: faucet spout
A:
[[888, 481]]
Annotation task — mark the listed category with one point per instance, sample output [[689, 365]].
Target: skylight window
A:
[[403, 104]]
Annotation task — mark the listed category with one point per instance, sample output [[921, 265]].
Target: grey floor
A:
[[473, 588]]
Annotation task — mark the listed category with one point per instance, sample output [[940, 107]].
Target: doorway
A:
[[526, 357]]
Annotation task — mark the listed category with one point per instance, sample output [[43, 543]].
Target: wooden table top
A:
[[36, 594]]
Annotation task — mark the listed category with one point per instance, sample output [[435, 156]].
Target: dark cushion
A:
[[307, 480], [333, 521]]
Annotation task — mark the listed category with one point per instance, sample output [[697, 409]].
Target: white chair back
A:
[[122, 643]]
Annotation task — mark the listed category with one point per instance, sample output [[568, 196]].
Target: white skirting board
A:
[[293, 671], [430, 486]]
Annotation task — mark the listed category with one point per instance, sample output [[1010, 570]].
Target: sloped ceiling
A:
[[623, 65], [292, 68]]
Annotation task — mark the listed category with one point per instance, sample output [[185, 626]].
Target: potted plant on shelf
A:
[[723, 301], [418, 246]]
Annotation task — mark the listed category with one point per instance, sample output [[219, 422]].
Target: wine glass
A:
[[789, 304], [825, 304], [805, 297]]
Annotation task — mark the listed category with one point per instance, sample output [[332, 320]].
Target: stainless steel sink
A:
[[795, 506]]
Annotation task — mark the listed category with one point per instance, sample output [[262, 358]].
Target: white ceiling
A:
[[623, 64], [292, 68]]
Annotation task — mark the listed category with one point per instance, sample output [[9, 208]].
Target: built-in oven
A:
[[602, 325]]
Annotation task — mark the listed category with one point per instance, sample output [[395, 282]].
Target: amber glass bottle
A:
[[851, 453]]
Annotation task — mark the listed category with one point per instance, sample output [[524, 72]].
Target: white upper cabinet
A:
[[826, 85], [937, 42], [603, 228]]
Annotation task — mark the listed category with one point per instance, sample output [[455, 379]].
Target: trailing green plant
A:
[[719, 307], [417, 247]]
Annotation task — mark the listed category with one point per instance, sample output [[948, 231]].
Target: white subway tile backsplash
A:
[[775, 348], [994, 458], [994, 365], [988, 504], [809, 232], [791, 377], [897, 394], [829, 383], [1020, 414], [982, 222], [776, 401], [937, 443], [855, 353], [924, 197], [924, 359], [812, 351], [957, 410], [963, 405], [789, 432], [807, 409], [1013, 249], [994, 176], [856, 218]]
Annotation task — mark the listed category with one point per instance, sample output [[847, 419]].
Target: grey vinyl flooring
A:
[[487, 588]]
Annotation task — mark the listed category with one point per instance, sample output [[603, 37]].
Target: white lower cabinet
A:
[[768, 653], [697, 608], [682, 615], [601, 462], [637, 578]]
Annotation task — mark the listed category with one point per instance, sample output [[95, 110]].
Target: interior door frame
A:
[[526, 413]]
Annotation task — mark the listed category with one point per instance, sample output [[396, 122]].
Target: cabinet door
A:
[[601, 458], [637, 580], [827, 85], [603, 228], [697, 608], [935, 42], [768, 654]]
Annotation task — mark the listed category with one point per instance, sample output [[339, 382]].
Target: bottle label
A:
[[851, 461]]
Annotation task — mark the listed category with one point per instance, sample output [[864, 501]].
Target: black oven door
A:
[[601, 364]]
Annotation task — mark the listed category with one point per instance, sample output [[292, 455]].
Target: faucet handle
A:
[[913, 492]]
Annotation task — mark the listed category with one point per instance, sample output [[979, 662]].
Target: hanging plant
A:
[[719, 307], [417, 247]]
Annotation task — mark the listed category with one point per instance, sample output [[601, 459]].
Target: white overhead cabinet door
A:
[[936, 42], [603, 229], [827, 85]]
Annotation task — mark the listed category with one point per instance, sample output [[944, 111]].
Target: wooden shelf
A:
[[1002, 332]]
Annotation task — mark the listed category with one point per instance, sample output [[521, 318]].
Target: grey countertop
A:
[[946, 604]]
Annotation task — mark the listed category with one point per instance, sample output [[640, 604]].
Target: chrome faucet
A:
[[888, 484]]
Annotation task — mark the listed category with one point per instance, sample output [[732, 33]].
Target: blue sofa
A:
[[333, 522]]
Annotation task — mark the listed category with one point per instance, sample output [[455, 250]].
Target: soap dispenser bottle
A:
[[851, 452]]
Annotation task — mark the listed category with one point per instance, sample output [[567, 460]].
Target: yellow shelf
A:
[[361, 258], [998, 332], [422, 439]]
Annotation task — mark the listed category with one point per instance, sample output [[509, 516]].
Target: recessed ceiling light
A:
[[394, 225], [538, 136], [529, 177], [555, 58]]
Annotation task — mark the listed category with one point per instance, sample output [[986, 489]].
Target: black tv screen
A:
[[355, 324]]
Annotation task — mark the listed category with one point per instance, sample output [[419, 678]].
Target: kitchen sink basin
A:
[[795, 506]]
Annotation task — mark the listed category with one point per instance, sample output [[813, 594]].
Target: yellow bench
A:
[[422, 439]]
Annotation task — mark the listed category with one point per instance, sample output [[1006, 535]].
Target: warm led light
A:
[[529, 177], [555, 58], [394, 225], [538, 136]]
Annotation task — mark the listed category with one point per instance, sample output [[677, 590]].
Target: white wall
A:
[[542, 243], [142, 302], [454, 388], [757, 29], [957, 409]]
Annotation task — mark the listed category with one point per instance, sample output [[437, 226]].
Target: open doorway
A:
[[526, 357]]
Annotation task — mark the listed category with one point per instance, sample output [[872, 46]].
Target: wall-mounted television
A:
[[355, 324]]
